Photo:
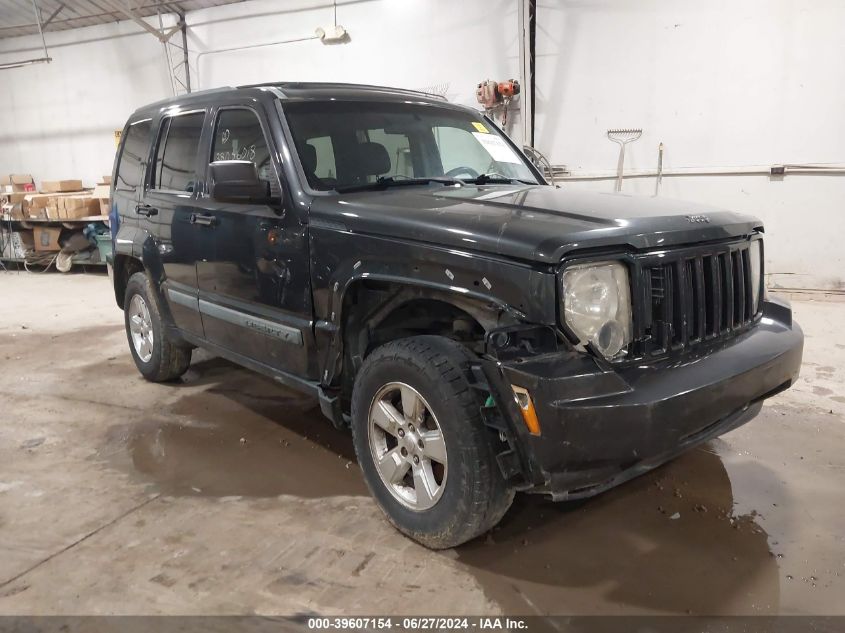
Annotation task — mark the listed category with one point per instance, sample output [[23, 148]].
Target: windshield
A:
[[349, 145]]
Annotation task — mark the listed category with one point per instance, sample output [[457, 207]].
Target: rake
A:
[[623, 137]]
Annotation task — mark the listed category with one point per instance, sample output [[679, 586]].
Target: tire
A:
[[470, 494], [165, 359]]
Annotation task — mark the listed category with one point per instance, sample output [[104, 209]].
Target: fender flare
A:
[[331, 331]]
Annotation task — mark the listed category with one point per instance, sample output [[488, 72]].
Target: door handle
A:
[[146, 210], [204, 219]]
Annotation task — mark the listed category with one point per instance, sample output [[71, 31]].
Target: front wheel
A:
[[424, 451], [156, 355]]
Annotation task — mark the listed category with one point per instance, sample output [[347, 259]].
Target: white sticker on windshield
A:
[[497, 148]]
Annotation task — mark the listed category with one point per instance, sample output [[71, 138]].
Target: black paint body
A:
[[264, 285]]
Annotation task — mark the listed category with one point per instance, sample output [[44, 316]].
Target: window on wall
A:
[[130, 170], [176, 154], [238, 136]]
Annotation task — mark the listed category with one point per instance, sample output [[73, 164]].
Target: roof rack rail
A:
[[186, 97], [316, 85]]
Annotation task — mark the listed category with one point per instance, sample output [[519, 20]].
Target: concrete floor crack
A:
[[6, 583]]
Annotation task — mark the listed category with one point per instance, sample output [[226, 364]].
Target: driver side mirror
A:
[[237, 181]]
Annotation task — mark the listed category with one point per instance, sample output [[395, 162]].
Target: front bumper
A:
[[602, 425]]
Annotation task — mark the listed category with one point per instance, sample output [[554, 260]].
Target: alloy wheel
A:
[[407, 445], [141, 328]]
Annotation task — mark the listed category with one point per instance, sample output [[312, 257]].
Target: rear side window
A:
[[238, 136], [130, 169], [176, 154]]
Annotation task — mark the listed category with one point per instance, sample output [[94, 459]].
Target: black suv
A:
[[480, 331]]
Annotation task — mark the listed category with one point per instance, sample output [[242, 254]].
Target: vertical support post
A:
[[526, 14], [40, 29], [184, 30]]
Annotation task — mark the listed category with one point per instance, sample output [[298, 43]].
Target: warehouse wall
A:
[[723, 85], [404, 43], [57, 120]]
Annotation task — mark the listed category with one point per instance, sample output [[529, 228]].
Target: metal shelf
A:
[[30, 223], [70, 223], [76, 262]]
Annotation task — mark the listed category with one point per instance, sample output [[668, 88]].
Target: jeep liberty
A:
[[398, 257]]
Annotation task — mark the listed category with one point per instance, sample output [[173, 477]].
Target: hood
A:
[[529, 222]]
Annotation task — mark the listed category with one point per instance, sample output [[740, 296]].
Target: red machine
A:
[[497, 96]]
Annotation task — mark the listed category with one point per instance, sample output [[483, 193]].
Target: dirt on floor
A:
[[227, 493]]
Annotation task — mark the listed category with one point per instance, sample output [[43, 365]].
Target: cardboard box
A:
[[13, 198], [56, 186], [105, 181], [17, 183], [51, 205], [11, 205], [102, 194], [46, 238], [9, 211], [78, 206], [54, 208], [15, 245], [35, 205]]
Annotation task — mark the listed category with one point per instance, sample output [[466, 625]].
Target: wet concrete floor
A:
[[227, 493]]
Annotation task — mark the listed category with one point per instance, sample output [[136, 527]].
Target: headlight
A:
[[597, 305], [756, 269]]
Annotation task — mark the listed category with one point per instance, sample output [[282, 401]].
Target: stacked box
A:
[[102, 194], [53, 206], [60, 206], [35, 205], [17, 183], [61, 186], [58, 200], [78, 206]]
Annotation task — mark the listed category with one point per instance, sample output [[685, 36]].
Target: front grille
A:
[[692, 295]]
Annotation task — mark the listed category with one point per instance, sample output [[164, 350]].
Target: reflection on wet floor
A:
[[686, 538], [666, 542], [244, 436]]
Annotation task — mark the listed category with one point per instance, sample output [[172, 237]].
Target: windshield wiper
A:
[[383, 182], [496, 179]]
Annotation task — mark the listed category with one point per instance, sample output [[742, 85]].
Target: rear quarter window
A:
[[133, 159], [176, 154]]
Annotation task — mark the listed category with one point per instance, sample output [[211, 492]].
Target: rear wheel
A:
[[156, 355], [425, 453]]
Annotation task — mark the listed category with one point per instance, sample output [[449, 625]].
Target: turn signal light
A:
[[526, 406]]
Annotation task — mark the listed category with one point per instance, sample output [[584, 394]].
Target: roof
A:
[[300, 91], [17, 17], [323, 90]]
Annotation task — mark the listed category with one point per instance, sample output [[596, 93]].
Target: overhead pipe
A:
[[201, 54], [38, 60], [26, 62]]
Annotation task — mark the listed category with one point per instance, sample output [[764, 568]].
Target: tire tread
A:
[[488, 497], [173, 359]]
